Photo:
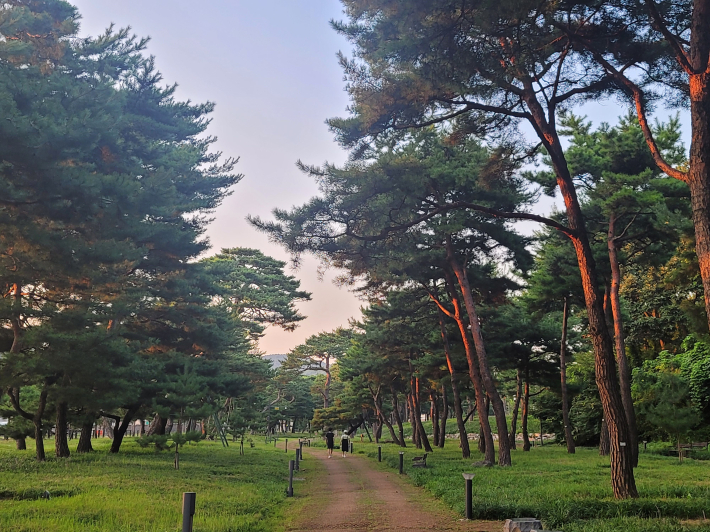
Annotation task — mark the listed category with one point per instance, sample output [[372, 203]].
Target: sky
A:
[[272, 70]]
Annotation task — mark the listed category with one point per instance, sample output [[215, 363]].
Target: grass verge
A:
[[139, 490], [568, 492]]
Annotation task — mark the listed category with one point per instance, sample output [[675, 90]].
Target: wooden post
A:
[[188, 510], [379, 453], [298, 453], [286, 445], [351, 447], [401, 462]]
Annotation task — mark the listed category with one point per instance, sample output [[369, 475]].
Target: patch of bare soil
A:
[[355, 497]]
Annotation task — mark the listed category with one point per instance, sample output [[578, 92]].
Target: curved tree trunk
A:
[[486, 375], [516, 408], [458, 408], [84, 445], [563, 380], [120, 431], [473, 369], [621, 360], [622, 473], [61, 445]]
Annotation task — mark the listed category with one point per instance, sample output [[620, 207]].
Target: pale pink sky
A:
[[271, 69]]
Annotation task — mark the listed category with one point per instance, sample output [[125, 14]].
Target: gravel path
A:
[[354, 496]]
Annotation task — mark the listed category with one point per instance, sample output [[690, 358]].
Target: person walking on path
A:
[[345, 443], [330, 441]]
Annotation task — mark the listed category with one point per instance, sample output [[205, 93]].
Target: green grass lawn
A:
[[139, 490], [568, 492]]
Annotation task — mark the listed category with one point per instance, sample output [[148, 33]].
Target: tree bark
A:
[[412, 420], [21, 444], [563, 379], [516, 408], [526, 409], [120, 430], [483, 412], [473, 368], [423, 439], [458, 408], [444, 416], [622, 473], [61, 445], [604, 443], [157, 426], [486, 375], [36, 418], [377, 400], [397, 417], [434, 414], [84, 445], [621, 360]]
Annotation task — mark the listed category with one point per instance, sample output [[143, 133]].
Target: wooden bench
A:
[[695, 445], [419, 461]]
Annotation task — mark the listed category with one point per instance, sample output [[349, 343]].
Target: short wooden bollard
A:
[[401, 462], [188, 510], [469, 494], [300, 449], [379, 453], [286, 446], [351, 447], [298, 456], [289, 491]]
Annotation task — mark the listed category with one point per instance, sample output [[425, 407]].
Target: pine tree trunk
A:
[[699, 160], [326, 388], [516, 409], [486, 375], [444, 416], [563, 380], [526, 409], [84, 445], [412, 421], [61, 445], [473, 368], [21, 444], [397, 417], [481, 413], [120, 431], [604, 440], [434, 414], [377, 400], [169, 426], [622, 472], [157, 426], [458, 408], [39, 429], [423, 439], [622, 361]]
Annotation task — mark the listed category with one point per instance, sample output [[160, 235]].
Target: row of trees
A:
[[108, 181], [477, 70]]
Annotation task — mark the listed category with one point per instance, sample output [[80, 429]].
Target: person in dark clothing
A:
[[330, 441], [345, 443]]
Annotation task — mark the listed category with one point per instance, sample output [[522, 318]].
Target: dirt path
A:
[[356, 497]]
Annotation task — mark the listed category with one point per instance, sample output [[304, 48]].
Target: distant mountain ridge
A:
[[276, 360]]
